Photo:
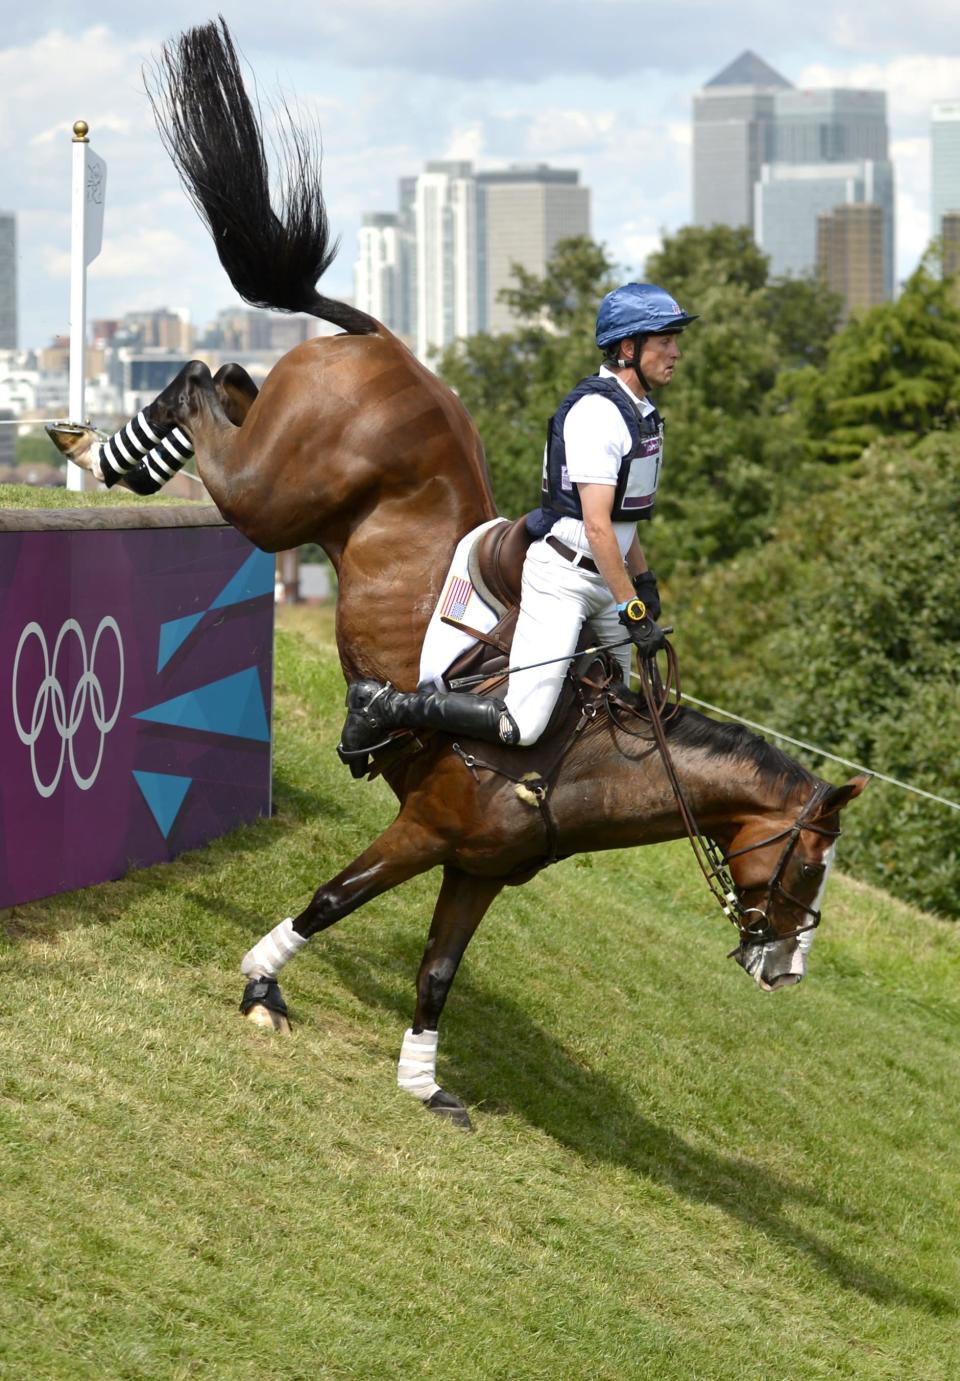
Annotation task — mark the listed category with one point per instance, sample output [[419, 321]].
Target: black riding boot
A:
[[375, 709]]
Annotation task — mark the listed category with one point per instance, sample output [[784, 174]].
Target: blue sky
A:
[[601, 85]]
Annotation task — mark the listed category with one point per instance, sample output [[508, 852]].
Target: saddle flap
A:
[[496, 563]]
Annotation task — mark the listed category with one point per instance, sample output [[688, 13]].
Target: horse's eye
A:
[[813, 870]]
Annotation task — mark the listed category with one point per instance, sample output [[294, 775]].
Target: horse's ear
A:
[[841, 796]]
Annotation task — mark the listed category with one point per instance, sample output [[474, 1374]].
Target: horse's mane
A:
[[690, 729]]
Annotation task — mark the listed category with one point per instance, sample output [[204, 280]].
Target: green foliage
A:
[[646, 1195], [893, 370], [804, 316], [696, 259], [845, 631]]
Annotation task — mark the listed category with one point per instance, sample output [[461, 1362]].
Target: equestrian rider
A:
[[601, 470]]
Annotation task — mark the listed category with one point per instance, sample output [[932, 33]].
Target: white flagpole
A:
[[78, 291], [86, 232]]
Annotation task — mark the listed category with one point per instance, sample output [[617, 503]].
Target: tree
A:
[[894, 370], [845, 631], [804, 315], [696, 259]]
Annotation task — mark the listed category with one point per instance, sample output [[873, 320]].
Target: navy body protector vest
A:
[[636, 489]]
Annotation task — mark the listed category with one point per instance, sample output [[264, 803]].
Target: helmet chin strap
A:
[[635, 363]]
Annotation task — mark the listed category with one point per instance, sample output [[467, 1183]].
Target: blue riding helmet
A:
[[638, 309]]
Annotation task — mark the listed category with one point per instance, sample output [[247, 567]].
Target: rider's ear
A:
[[843, 795]]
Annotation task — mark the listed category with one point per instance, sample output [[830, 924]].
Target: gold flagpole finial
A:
[[80, 131]]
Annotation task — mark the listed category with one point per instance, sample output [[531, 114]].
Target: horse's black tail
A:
[[213, 134]]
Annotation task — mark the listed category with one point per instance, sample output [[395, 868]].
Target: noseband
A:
[[712, 859], [760, 931]]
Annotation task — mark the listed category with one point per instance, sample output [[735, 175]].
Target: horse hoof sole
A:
[[269, 1021]]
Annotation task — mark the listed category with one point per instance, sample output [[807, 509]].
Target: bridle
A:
[[713, 860], [761, 931]]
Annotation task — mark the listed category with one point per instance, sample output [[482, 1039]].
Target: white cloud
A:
[[465, 142]]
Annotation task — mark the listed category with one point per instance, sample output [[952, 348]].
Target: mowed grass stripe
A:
[[673, 1175]]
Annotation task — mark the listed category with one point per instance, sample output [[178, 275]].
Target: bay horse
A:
[[354, 444]]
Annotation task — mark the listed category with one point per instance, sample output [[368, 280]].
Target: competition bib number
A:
[[641, 487]]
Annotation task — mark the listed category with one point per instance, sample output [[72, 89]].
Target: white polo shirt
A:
[[596, 439]]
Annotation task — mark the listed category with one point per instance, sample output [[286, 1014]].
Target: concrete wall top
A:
[[110, 517]]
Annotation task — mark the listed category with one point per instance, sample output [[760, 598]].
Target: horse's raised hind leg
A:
[[461, 906], [236, 391], [400, 853], [155, 433]]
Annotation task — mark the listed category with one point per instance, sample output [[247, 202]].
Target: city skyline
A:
[[497, 86], [433, 269]]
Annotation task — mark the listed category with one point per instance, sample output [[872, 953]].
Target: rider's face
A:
[[658, 357]]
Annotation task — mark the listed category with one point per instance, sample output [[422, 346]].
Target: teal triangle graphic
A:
[[232, 706], [255, 577], [173, 634], [163, 793]]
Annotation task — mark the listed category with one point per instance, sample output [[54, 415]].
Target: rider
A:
[[601, 469]]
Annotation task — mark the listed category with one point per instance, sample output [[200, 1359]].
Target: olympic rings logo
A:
[[51, 700]]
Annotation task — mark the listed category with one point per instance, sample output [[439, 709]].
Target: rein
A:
[[712, 860]]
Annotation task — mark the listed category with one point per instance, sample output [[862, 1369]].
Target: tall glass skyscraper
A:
[[733, 136], [790, 197], [522, 213], [830, 149], [944, 163], [832, 125], [774, 158]]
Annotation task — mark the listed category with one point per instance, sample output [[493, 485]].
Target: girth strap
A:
[[541, 784]]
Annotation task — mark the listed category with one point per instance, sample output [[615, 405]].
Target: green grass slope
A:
[[19, 496], [673, 1175]]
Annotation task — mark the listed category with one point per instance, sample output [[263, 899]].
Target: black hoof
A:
[[451, 1108], [263, 992]]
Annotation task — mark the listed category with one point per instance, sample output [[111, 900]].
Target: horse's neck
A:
[[729, 797], [635, 803]]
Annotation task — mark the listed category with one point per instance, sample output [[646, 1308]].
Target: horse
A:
[[352, 443]]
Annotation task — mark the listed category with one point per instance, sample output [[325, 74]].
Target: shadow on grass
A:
[[588, 1113]]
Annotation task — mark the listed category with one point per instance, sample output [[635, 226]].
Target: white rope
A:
[[29, 421], [820, 752]]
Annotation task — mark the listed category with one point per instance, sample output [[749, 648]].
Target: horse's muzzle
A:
[[780, 964]]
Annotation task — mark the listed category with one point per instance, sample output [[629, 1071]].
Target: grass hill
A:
[[673, 1175]]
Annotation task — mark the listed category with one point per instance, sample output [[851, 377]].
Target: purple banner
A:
[[135, 699]]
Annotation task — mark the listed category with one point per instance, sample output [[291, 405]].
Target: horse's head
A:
[[780, 879]]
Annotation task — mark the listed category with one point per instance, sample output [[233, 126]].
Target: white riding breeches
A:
[[556, 599]]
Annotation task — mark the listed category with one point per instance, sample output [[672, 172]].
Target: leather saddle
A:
[[495, 565]]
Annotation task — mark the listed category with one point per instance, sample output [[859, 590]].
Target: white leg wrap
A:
[[269, 955], [416, 1072]]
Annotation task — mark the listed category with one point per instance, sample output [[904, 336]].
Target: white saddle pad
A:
[[458, 600]]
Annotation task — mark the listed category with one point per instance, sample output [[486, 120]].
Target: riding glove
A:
[[645, 585], [643, 632]]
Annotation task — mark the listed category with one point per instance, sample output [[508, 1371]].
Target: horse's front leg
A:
[[401, 852], [461, 906]]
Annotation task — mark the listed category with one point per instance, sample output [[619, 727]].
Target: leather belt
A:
[[577, 557]]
